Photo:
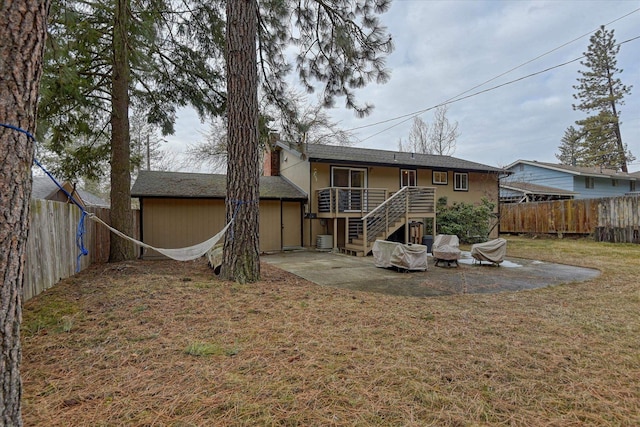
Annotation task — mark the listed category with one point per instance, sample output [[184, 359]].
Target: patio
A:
[[360, 274]]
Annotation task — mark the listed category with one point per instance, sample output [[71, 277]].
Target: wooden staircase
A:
[[398, 210]]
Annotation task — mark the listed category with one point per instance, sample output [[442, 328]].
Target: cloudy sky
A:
[[446, 48]]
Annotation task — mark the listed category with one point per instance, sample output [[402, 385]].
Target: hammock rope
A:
[[180, 254]]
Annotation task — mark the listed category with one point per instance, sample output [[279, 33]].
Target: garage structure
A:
[[180, 209]]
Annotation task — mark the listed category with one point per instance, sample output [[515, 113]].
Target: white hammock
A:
[[180, 254]]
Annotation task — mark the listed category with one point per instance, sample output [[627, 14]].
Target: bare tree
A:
[[418, 138], [443, 135], [212, 152], [23, 32], [308, 122]]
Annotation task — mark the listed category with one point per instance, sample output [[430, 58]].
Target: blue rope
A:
[[80, 230], [238, 203]]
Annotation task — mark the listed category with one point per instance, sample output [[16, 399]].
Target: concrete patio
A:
[[360, 273]]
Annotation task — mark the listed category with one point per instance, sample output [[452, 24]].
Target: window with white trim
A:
[[440, 177], [408, 178], [461, 181]]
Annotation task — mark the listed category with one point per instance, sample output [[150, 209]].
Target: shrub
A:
[[467, 221]]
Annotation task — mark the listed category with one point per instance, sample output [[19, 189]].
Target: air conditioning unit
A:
[[324, 242]]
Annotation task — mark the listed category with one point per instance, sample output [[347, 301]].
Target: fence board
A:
[[51, 252], [615, 219]]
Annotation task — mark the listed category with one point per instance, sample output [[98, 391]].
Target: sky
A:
[[444, 49]]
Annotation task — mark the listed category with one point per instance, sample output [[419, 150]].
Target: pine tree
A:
[[105, 56], [599, 93], [570, 148], [341, 47], [22, 35]]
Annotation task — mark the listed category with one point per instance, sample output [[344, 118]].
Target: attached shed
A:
[[182, 209]]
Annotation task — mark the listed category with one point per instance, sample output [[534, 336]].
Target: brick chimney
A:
[[271, 162]]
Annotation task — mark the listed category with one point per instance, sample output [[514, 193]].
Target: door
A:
[[355, 181]]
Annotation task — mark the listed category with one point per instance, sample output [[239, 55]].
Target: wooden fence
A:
[[615, 219], [51, 246]]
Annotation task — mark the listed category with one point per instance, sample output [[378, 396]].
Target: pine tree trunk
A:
[[120, 214], [22, 35], [241, 261]]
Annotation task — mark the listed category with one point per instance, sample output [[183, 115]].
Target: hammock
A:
[[180, 254]]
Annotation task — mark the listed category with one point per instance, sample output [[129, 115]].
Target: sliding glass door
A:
[[353, 179]]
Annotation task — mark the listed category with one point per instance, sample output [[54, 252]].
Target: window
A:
[[614, 182], [440, 177], [461, 181], [588, 182], [408, 178], [632, 186]]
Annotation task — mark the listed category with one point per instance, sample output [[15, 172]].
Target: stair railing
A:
[[397, 207]]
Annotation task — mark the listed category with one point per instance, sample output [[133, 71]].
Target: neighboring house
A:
[[358, 195], [538, 181], [182, 209], [44, 188]]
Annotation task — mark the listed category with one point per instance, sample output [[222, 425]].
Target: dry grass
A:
[[166, 343]]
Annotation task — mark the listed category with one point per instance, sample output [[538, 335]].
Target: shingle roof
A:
[[368, 156], [44, 188], [208, 186], [529, 188], [579, 170]]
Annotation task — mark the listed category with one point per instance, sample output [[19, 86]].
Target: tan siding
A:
[[291, 220], [480, 185], [388, 178], [177, 223], [295, 170], [270, 226]]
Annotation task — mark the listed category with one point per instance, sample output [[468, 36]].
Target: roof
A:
[[594, 171], [206, 186], [367, 156], [44, 188], [529, 188]]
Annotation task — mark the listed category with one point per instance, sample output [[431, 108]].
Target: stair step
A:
[[352, 249]]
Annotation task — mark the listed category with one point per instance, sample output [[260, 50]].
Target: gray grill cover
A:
[[492, 251], [392, 254]]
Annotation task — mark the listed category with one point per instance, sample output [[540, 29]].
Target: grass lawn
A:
[[167, 343]]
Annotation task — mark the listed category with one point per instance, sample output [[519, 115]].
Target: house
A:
[[530, 181], [44, 188], [182, 209], [358, 195]]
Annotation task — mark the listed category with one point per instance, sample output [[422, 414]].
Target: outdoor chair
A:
[[446, 248], [492, 251]]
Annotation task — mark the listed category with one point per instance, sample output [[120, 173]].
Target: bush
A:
[[467, 221]]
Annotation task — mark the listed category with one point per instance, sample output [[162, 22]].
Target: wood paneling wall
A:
[[614, 219], [51, 246]]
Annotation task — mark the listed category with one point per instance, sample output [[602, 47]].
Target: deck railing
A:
[[343, 200]]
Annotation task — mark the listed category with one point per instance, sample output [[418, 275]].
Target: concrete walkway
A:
[[360, 273]]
